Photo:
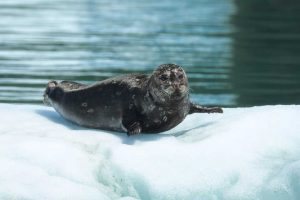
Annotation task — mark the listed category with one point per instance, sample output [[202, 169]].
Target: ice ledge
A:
[[245, 153]]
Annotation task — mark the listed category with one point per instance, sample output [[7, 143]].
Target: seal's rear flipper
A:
[[49, 92]]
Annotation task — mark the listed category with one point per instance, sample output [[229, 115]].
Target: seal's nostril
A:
[[176, 85]]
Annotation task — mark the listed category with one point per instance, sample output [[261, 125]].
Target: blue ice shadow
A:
[[129, 140], [56, 118]]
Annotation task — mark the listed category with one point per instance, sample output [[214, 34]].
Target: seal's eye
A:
[[180, 76], [163, 77]]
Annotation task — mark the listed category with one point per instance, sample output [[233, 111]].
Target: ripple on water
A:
[[93, 40]]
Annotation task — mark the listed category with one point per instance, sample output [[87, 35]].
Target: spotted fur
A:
[[131, 103]]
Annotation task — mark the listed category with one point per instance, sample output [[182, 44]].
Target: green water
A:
[[236, 53]]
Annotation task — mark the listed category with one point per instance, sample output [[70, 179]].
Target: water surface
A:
[[232, 55]]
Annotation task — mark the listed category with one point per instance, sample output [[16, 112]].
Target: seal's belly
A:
[[100, 114]]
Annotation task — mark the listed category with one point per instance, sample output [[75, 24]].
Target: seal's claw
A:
[[134, 129]]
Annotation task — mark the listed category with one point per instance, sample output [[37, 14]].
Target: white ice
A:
[[245, 153]]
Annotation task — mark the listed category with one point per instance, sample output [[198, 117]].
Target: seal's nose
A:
[[176, 85]]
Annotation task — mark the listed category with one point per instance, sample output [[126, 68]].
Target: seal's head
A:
[[168, 82]]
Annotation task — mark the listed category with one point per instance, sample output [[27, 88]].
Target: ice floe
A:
[[245, 153]]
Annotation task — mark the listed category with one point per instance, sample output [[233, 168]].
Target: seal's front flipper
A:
[[214, 110], [195, 108], [134, 129]]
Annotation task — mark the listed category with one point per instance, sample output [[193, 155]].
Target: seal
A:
[[132, 103]]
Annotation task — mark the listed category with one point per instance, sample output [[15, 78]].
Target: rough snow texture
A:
[[246, 153]]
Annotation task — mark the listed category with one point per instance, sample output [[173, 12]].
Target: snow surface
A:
[[245, 153]]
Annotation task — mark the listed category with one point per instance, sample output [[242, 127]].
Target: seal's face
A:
[[170, 82]]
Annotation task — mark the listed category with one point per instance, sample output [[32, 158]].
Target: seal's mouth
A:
[[175, 90], [177, 94], [166, 92], [173, 94]]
